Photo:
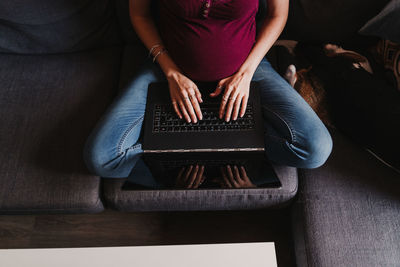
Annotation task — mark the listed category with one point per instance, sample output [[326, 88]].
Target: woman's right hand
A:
[[185, 97]]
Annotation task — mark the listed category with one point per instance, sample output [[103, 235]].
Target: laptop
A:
[[165, 132], [230, 154]]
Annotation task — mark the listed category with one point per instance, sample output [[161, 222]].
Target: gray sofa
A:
[[61, 64]]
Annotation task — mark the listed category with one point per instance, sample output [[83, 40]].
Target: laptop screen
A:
[[196, 171]]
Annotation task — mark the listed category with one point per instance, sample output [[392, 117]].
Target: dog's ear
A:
[[290, 75]]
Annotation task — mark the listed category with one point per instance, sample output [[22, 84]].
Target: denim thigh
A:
[[294, 135], [112, 148]]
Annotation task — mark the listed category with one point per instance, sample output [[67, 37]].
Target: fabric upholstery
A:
[[48, 26], [49, 104], [386, 24], [327, 20], [218, 199], [348, 211]]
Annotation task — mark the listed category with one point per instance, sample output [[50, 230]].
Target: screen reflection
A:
[[214, 171]]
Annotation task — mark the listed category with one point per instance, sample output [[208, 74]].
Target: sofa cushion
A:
[[215, 199], [327, 20], [348, 211], [48, 26], [48, 106], [386, 24]]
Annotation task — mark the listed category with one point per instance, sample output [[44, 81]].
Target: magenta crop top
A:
[[208, 39]]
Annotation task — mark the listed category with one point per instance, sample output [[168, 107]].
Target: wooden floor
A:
[[112, 228]]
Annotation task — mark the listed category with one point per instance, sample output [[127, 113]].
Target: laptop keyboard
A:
[[166, 120]]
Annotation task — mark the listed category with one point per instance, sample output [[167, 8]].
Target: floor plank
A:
[[15, 232]]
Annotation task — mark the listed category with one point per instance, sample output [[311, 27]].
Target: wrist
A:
[[168, 66], [246, 72], [172, 73]]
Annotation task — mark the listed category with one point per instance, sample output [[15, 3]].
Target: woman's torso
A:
[[208, 39]]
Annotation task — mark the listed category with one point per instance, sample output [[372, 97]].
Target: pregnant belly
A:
[[211, 55]]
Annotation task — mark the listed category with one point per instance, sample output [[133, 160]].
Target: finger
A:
[[193, 176], [229, 106], [225, 178], [224, 101], [244, 105], [196, 107], [189, 108], [219, 88], [175, 105], [198, 95], [237, 174], [199, 178], [243, 173], [231, 178], [183, 109], [217, 92], [188, 171], [236, 107]]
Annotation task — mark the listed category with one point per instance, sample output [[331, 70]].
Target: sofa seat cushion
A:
[[348, 211], [215, 199], [48, 106]]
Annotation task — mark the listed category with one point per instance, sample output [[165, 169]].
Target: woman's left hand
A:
[[235, 97]]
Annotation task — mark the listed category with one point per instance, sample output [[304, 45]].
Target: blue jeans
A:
[[294, 135]]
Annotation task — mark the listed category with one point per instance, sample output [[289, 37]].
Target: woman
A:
[[209, 40]]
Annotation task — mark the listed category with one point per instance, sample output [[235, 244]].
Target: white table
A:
[[229, 255]]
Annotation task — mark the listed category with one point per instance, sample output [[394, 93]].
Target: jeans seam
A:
[[128, 131], [133, 147], [292, 135]]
